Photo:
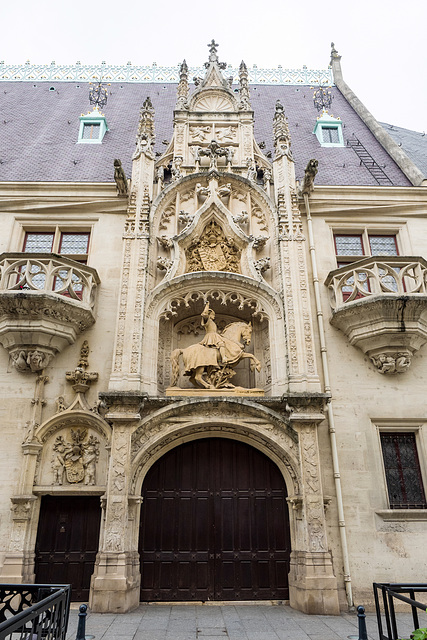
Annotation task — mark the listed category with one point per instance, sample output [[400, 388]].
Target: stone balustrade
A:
[[380, 304], [377, 275], [47, 272], [46, 301]]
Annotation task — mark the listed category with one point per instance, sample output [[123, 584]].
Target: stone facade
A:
[[213, 308]]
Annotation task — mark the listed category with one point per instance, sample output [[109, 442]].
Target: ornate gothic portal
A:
[[214, 340]]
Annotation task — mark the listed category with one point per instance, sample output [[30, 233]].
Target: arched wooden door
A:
[[214, 525]]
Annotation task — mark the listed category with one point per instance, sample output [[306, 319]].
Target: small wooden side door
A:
[[67, 542]]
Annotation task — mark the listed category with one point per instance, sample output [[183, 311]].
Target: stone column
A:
[[115, 585], [312, 583]]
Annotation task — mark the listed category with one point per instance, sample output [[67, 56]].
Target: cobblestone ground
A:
[[222, 622]]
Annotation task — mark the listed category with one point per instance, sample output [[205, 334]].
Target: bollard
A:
[[81, 628], [363, 635]]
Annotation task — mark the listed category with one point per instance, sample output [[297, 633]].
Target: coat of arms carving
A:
[[77, 459], [213, 251]]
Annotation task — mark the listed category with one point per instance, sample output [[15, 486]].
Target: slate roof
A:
[[39, 131], [412, 142]]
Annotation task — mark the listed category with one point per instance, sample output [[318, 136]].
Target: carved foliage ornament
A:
[[77, 459], [213, 251]]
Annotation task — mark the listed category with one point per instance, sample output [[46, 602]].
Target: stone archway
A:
[[214, 525]]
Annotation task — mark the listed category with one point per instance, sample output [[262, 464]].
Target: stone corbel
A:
[[296, 503]]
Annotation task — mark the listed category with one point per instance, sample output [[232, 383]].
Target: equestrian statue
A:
[[210, 363]]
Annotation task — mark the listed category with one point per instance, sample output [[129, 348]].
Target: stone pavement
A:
[[225, 622]]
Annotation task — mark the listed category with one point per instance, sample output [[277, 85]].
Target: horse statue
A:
[[210, 363]]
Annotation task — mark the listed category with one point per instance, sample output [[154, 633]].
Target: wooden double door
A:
[[67, 542], [214, 525]]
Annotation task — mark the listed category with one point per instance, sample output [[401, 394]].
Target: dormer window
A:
[[328, 131], [93, 127]]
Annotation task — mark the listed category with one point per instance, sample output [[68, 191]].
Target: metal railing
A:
[[34, 611], [48, 272], [377, 275], [385, 593]]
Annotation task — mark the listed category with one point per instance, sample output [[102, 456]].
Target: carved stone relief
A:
[[75, 460], [213, 251]]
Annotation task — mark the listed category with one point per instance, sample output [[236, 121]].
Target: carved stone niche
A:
[[186, 330], [46, 301], [380, 303]]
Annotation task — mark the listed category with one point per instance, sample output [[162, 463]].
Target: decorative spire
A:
[[182, 92], [282, 138], [213, 56], [245, 103], [145, 137]]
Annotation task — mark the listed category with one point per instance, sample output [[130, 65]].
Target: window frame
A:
[[58, 231], [365, 233], [417, 427]]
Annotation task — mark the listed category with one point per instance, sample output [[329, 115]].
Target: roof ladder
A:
[[367, 161]]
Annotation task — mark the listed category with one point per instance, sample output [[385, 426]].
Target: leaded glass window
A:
[[383, 245], [349, 245], [402, 470], [330, 134], [38, 242], [74, 243], [91, 131]]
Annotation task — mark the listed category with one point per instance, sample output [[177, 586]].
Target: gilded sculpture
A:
[[210, 363]]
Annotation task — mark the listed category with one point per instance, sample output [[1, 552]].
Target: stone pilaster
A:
[[312, 583], [115, 583], [303, 374], [126, 373]]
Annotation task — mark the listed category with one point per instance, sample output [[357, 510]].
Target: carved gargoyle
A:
[[120, 179]]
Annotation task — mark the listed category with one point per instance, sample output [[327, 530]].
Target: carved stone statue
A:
[[214, 151], [392, 362], [210, 363]]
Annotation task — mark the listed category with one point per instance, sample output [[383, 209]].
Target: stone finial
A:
[[245, 103], [213, 56], [334, 52], [120, 178], [145, 137], [282, 138], [309, 175], [80, 378], [182, 91]]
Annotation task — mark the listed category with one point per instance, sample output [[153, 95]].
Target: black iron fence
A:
[[34, 611], [385, 594]]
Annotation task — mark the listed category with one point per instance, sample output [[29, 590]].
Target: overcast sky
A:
[[382, 43]]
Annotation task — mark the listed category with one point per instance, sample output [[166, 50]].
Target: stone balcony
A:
[[46, 301], [380, 303]]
